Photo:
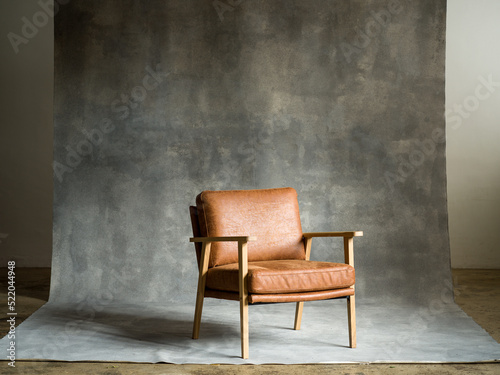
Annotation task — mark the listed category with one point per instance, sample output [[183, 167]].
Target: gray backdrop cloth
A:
[[158, 100], [440, 332]]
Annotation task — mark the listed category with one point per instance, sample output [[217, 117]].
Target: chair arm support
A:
[[207, 244], [242, 278], [348, 242], [356, 233]]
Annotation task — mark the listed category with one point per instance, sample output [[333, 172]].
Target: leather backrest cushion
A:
[[272, 215]]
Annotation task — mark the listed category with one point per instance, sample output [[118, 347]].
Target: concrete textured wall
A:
[[158, 100]]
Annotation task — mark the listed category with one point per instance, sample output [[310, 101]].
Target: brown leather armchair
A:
[[250, 247]]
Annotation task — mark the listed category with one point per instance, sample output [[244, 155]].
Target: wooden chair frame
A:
[[243, 275]]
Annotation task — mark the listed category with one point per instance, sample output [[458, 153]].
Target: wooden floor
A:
[[477, 292]]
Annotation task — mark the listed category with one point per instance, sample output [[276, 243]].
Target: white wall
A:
[[26, 98], [473, 132]]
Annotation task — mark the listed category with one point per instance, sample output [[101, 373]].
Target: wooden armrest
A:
[[356, 233], [227, 238], [348, 240]]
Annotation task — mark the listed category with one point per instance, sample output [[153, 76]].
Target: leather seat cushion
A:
[[283, 276]]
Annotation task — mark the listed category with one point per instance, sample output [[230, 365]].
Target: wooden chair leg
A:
[[244, 328], [200, 294], [197, 315], [298, 315], [351, 302], [351, 318], [300, 305], [243, 287]]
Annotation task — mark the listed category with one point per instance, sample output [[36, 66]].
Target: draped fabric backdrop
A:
[[158, 100]]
